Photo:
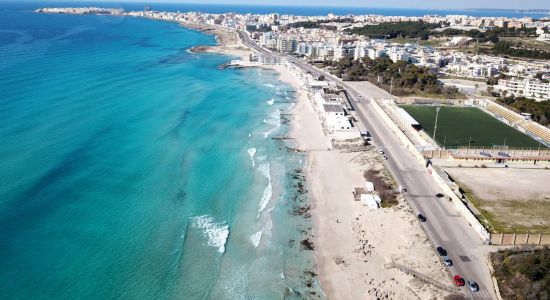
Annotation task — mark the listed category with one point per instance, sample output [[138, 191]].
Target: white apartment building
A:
[[286, 45], [399, 55], [344, 50], [269, 40], [326, 53], [530, 88]]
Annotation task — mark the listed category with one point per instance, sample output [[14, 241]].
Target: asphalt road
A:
[[444, 226]]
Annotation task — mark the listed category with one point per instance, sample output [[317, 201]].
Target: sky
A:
[[434, 4]]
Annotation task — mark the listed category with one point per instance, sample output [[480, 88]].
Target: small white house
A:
[[370, 186], [368, 200]]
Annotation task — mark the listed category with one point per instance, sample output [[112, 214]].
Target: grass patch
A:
[[456, 125], [504, 216]]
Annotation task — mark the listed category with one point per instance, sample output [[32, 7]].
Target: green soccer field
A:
[[456, 125]]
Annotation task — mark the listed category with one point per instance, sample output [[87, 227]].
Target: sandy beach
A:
[[227, 41], [354, 247]]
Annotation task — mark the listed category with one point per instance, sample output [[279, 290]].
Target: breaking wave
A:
[[256, 238], [216, 233], [268, 191], [251, 153]]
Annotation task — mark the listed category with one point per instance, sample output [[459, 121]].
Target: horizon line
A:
[[287, 5]]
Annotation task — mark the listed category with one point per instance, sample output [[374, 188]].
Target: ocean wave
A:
[[270, 102], [256, 238], [269, 85], [251, 153], [268, 191], [217, 233], [275, 120]]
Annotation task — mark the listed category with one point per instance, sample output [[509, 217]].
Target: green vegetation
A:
[[492, 35], [540, 111], [407, 78], [507, 48], [422, 30], [318, 23], [411, 29], [527, 42], [456, 125], [523, 274]]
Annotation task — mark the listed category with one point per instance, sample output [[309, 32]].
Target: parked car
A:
[[381, 151], [448, 261], [459, 281], [439, 195], [473, 286], [441, 251], [403, 190], [384, 157], [421, 218]]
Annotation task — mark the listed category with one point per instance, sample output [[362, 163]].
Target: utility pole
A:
[[437, 108], [469, 143]]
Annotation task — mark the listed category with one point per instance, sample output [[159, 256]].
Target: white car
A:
[[381, 151], [473, 286], [384, 157]]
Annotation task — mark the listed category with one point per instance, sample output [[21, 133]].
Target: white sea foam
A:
[[264, 168], [275, 120], [270, 102], [256, 238], [252, 152], [268, 191], [269, 85], [216, 233]]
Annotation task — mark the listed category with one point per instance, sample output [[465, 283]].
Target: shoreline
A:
[[227, 42], [350, 258]]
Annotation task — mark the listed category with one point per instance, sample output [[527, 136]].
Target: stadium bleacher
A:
[[538, 130], [518, 120]]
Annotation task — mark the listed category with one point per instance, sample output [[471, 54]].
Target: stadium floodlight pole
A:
[[444, 142], [469, 143], [437, 108]]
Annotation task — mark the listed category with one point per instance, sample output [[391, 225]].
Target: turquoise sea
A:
[[133, 169]]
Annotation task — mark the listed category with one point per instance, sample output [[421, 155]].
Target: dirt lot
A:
[[511, 199]]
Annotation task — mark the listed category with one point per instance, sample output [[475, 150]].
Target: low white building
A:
[[530, 88], [334, 118]]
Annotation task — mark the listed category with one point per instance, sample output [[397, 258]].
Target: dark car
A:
[[439, 195], [459, 281], [448, 261], [441, 251], [421, 218], [473, 286]]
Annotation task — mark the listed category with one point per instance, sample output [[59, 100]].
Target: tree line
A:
[[400, 78], [540, 111], [523, 275], [507, 48], [318, 23], [409, 29]]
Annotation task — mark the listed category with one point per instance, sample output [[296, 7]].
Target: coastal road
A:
[[444, 226]]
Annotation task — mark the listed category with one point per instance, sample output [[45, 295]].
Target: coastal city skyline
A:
[[431, 4], [236, 151]]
